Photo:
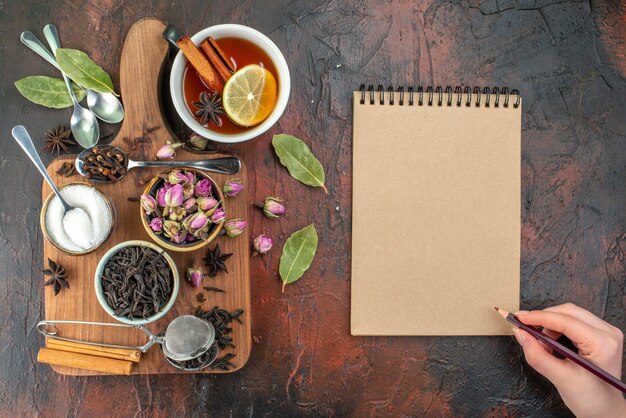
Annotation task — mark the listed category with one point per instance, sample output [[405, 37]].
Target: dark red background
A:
[[567, 58]]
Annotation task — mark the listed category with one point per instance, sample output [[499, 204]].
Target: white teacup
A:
[[251, 35]]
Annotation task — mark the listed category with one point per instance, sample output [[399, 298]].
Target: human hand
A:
[[597, 341]]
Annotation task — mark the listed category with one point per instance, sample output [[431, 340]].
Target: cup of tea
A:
[[260, 76]]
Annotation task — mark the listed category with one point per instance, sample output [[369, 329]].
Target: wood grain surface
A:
[[565, 57], [143, 55]]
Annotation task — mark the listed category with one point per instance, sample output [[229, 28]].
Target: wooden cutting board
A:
[[142, 132]]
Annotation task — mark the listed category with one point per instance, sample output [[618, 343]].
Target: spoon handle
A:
[[21, 137], [52, 36], [30, 40], [224, 165]]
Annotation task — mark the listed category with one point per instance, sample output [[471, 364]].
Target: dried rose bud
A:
[[207, 204], [195, 221], [198, 222], [262, 244], [194, 276], [171, 228], [187, 190], [198, 141], [235, 227], [190, 205], [272, 209], [218, 216], [148, 203], [180, 237], [202, 188], [176, 177], [168, 151], [191, 177], [156, 224], [178, 213], [174, 196], [232, 187], [161, 196], [190, 238]]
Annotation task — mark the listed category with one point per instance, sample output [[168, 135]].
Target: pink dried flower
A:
[[180, 237], [202, 188], [161, 196], [148, 203], [167, 151], [189, 204], [156, 224], [198, 222], [262, 244], [174, 196], [235, 227], [194, 276], [198, 141], [232, 187], [218, 216], [176, 177], [272, 209], [206, 203]]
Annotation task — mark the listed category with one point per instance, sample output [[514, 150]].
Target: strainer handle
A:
[[50, 330]]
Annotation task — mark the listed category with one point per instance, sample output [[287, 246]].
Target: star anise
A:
[[58, 139], [58, 277], [209, 108], [215, 261]]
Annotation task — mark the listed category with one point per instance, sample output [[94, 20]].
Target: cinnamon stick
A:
[[201, 64], [84, 361], [94, 350], [216, 58], [222, 55]]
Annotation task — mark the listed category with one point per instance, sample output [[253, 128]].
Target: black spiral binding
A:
[[435, 95]]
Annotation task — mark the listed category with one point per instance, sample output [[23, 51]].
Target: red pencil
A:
[[566, 352]]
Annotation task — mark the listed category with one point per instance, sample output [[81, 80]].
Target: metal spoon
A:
[[105, 106], [224, 165], [21, 137], [83, 123]]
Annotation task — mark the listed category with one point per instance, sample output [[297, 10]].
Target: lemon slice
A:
[[249, 95]]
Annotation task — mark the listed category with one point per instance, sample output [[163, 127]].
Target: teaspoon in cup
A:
[[223, 165]]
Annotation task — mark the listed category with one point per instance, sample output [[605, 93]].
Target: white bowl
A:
[[100, 293], [249, 34]]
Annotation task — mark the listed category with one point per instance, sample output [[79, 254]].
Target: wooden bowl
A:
[[161, 239]]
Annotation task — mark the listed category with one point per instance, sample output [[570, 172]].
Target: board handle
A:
[[143, 56]]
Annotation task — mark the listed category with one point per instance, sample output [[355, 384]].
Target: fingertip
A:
[[538, 358]]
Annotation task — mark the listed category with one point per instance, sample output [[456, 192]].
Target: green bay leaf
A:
[[82, 70], [48, 91], [298, 254], [299, 160]]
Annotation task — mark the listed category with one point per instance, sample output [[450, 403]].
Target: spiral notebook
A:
[[436, 210]]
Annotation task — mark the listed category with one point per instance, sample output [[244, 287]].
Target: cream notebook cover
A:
[[436, 212]]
